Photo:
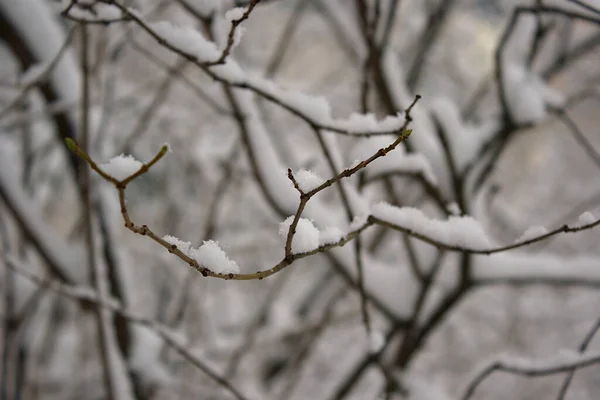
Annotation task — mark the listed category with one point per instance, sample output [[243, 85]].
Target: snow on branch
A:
[[42, 33], [528, 96], [457, 233], [462, 234], [38, 74], [316, 111], [562, 362], [209, 254], [121, 166], [523, 95], [122, 170], [64, 259], [171, 339]]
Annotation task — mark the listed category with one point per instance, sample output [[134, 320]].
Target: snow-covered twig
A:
[[500, 64], [123, 170], [191, 45], [460, 234], [37, 74], [89, 295], [63, 259]]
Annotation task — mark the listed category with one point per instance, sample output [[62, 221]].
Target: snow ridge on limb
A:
[[316, 111], [64, 259]]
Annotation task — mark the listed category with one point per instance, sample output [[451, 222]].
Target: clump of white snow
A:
[[455, 231], [453, 208], [307, 180], [306, 237], [210, 255], [527, 94], [376, 341], [330, 235], [232, 15], [145, 358], [187, 40], [532, 232], [235, 13], [465, 140], [587, 218], [214, 258], [121, 166]]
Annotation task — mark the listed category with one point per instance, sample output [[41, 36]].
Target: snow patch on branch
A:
[[307, 180], [318, 110], [527, 94], [306, 237], [465, 140], [187, 40], [463, 232], [587, 218], [121, 166], [210, 255], [330, 235], [532, 232], [37, 26], [145, 358], [232, 15]]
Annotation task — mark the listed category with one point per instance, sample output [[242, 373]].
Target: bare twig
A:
[[431, 31], [528, 370], [285, 38], [582, 348], [586, 6], [579, 137], [85, 183]]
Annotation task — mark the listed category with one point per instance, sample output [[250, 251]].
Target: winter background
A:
[[521, 161]]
